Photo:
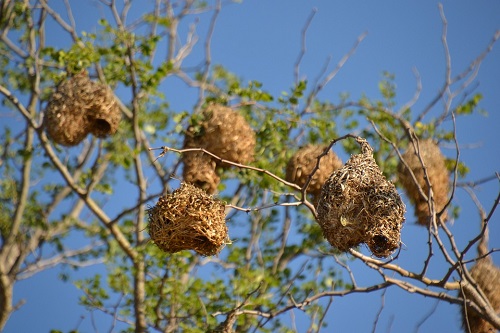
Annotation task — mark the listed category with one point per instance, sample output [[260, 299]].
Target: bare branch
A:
[[379, 312], [303, 44], [208, 55], [416, 95], [375, 263], [311, 299], [427, 316], [334, 72], [63, 258], [166, 149]]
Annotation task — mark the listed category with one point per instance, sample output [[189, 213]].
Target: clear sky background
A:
[[260, 40]]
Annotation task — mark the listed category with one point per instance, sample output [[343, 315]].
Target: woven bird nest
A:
[[188, 219], [304, 161], [226, 134], [200, 170], [105, 114], [438, 177], [359, 205], [487, 277], [80, 106]]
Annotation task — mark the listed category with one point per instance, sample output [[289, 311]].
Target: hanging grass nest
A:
[[188, 219], [359, 205], [487, 277], [105, 114], [78, 107], [199, 169], [304, 161], [226, 134], [67, 116], [438, 177]]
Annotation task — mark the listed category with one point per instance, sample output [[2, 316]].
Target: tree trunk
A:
[[6, 289]]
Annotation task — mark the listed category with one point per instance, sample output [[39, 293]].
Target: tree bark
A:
[[6, 290]]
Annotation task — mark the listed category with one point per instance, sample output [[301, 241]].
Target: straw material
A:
[[358, 205], [304, 161], [78, 107], [487, 277], [438, 176], [188, 219]]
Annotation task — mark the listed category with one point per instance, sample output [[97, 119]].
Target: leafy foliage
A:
[[278, 259]]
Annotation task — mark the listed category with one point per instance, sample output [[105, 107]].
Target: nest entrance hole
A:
[[101, 127]]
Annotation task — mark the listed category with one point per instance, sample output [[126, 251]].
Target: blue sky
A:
[[260, 40]]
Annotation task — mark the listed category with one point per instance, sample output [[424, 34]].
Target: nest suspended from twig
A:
[[438, 174], [304, 161], [225, 133], [359, 205], [200, 170], [105, 114], [487, 277], [67, 116], [78, 107], [188, 219]]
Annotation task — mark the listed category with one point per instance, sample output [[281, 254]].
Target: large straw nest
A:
[[80, 106], [304, 161], [487, 277], [67, 115], [188, 219], [359, 205], [438, 174], [225, 133]]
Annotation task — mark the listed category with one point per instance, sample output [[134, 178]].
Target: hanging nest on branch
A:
[[78, 107], [225, 133], [199, 169], [487, 277], [105, 114], [188, 219], [438, 177], [67, 116], [304, 161], [359, 205]]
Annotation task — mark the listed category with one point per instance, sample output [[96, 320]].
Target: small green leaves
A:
[[462, 169], [387, 88], [470, 106]]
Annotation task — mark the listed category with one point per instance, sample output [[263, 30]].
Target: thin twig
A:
[[379, 312], [303, 48], [426, 316]]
